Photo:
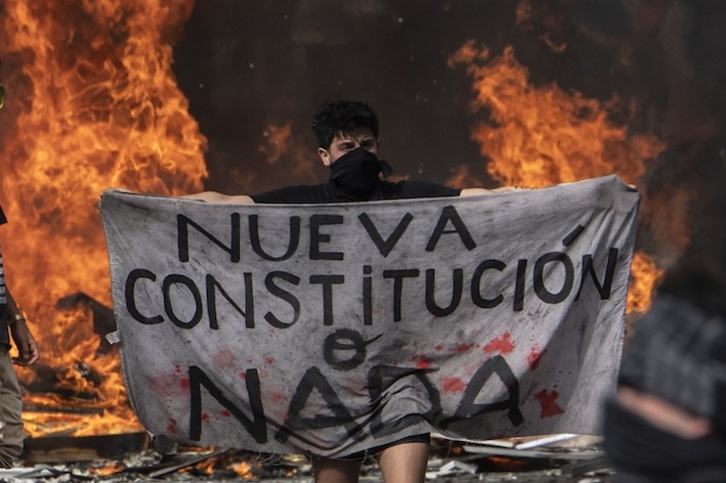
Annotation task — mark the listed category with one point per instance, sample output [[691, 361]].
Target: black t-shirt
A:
[[328, 193]]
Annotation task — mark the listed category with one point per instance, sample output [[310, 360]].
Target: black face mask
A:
[[356, 173]]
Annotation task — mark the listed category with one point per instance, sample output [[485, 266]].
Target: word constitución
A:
[[486, 289]]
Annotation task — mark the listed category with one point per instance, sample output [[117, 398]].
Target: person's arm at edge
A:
[[23, 338], [216, 197], [484, 191], [504, 189]]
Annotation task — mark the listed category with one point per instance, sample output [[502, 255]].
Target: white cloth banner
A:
[[331, 329]]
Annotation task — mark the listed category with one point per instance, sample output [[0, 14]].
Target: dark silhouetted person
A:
[[667, 422]]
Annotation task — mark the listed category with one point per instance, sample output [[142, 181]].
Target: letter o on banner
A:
[[539, 287], [344, 340], [180, 280]]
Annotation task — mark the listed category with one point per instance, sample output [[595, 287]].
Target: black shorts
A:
[[361, 455]]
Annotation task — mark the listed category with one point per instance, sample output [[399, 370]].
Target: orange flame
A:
[[540, 136], [277, 144], [91, 104], [243, 470], [107, 470], [280, 143], [645, 276]]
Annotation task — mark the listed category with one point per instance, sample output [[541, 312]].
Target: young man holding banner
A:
[[347, 134]]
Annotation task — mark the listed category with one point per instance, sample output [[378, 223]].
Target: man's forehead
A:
[[355, 135]]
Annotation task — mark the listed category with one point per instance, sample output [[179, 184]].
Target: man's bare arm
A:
[[504, 189], [484, 191], [21, 334], [215, 197]]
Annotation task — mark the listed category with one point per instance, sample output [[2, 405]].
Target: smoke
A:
[[250, 68], [248, 65], [255, 71]]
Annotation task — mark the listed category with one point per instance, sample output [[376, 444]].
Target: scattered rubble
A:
[[133, 458]]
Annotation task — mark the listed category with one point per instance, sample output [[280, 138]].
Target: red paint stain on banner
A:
[[439, 348], [243, 374], [502, 344], [226, 413], [205, 417], [423, 362], [185, 383], [167, 385], [270, 360], [463, 347], [276, 396], [534, 356], [171, 427], [454, 384], [224, 359], [548, 403]]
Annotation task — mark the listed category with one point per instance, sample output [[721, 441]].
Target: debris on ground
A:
[[559, 458]]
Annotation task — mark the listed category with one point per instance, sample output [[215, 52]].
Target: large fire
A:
[[94, 105], [540, 136], [90, 105]]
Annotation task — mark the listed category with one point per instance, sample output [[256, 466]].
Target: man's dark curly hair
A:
[[345, 117]]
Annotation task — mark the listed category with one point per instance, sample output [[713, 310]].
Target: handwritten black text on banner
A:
[[335, 328]]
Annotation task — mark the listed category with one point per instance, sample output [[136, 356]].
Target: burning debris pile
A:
[[54, 406]]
